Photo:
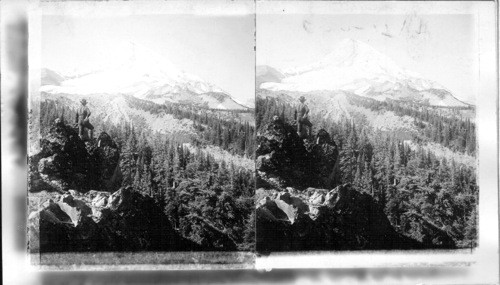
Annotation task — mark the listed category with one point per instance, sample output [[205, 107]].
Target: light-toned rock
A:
[[75, 209], [317, 198]]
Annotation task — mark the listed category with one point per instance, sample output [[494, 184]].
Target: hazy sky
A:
[[219, 49], [439, 47]]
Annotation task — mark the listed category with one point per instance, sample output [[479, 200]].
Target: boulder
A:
[[270, 207], [76, 210], [129, 221], [55, 224], [292, 206], [273, 234], [100, 200], [343, 219], [315, 211], [317, 198]]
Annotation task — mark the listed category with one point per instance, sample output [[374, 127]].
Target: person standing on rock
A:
[[82, 119], [302, 117]]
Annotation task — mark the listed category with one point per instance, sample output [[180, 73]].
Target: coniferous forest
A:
[[207, 200], [203, 195], [414, 186]]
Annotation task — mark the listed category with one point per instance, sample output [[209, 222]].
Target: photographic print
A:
[[366, 130], [338, 135], [146, 137]]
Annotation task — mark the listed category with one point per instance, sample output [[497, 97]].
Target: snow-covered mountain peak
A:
[[138, 71], [355, 55], [132, 68], [143, 61], [356, 67]]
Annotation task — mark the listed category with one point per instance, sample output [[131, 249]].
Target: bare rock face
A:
[[293, 207], [66, 162], [281, 153], [284, 159], [324, 160], [98, 221]]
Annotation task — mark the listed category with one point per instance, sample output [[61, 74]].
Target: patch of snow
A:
[[116, 109]]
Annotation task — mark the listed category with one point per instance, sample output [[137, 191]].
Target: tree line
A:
[[445, 126]]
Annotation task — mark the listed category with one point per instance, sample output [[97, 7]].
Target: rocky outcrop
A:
[[284, 159], [281, 155], [113, 219], [100, 221], [66, 162], [324, 160], [318, 219], [105, 156]]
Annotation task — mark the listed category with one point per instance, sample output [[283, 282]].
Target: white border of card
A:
[[481, 264]]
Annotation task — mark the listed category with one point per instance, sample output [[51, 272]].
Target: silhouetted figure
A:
[[82, 119], [302, 117]]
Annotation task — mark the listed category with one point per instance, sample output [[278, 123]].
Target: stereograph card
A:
[[261, 135]]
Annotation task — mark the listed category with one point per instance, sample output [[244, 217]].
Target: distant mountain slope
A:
[[180, 122], [358, 68], [144, 75], [368, 113], [116, 109], [335, 105]]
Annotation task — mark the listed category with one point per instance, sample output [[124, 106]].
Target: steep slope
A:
[[143, 74], [356, 67]]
